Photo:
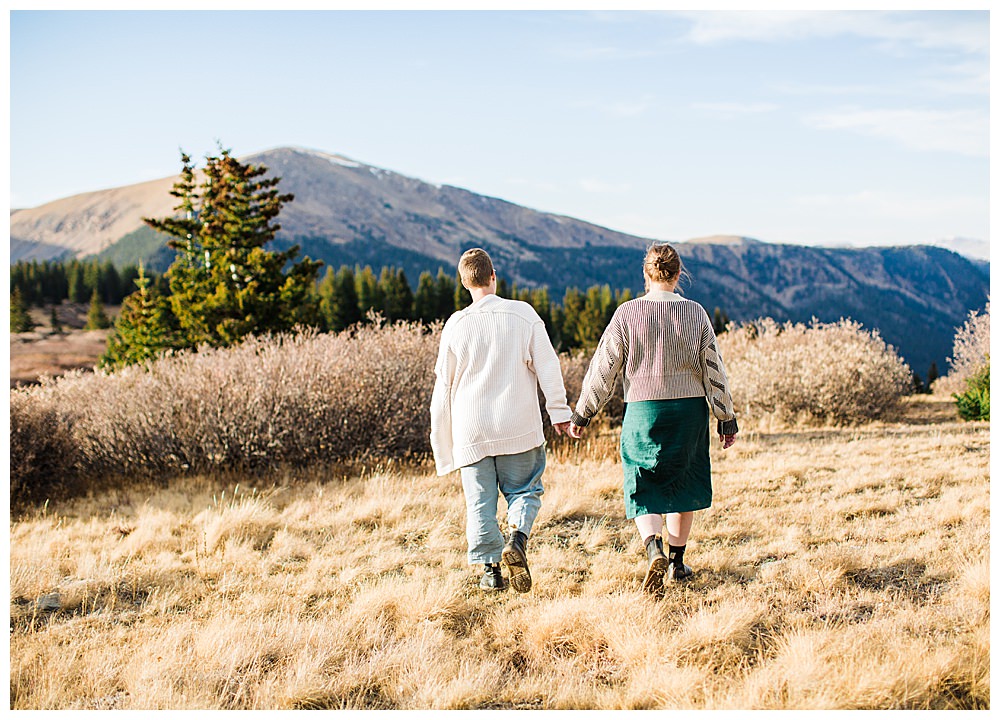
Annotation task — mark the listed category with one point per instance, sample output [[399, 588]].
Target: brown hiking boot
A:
[[516, 560], [658, 565]]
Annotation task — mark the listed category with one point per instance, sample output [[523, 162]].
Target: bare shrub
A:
[[836, 373], [42, 451], [269, 402], [970, 353]]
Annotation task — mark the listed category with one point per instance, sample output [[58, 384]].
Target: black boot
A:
[[658, 564], [678, 570], [493, 579], [516, 560]]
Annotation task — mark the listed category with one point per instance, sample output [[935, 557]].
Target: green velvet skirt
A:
[[664, 446]]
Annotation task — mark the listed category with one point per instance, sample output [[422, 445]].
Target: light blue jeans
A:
[[519, 478]]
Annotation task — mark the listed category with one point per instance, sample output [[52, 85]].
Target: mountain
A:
[[347, 212]]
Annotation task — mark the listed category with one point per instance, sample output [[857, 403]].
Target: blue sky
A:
[[838, 128]]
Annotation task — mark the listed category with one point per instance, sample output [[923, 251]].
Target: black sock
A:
[[676, 554]]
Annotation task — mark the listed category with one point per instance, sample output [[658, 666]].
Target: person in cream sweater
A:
[[486, 421]]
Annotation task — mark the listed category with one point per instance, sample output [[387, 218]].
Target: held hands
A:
[[574, 431], [561, 428], [727, 440]]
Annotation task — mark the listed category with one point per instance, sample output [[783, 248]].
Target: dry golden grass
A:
[[838, 568]]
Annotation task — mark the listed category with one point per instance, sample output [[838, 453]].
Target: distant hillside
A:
[[346, 212]]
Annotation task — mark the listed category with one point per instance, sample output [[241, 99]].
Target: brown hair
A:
[[475, 268], [662, 264]]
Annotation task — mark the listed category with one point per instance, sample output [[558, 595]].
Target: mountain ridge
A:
[[348, 212]]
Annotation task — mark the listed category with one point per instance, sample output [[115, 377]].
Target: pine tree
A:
[[572, 306], [369, 292], [462, 297], [224, 284], [77, 283], [719, 321], [539, 299], [145, 328], [932, 375], [598, 306], [97, 319], [445, 294], [20, 319], [54, 321], [339, 299], [396, 293], [425, 301]]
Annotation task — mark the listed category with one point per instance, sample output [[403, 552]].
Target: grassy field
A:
[[46, 352], [837, 569]]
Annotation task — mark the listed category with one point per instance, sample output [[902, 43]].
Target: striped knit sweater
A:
[[664, 347], [493, 357]]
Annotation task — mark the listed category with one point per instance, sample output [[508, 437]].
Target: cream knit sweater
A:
[[494, 355]]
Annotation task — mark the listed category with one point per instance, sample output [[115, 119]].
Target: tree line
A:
[[52, 282], [342, 297]]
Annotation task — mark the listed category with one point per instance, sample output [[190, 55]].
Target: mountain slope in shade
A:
[[347, 212]]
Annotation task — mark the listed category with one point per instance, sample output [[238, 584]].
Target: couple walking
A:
[[486, 422]]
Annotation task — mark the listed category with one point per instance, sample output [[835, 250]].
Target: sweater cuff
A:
[[728, 427], [579, 420]]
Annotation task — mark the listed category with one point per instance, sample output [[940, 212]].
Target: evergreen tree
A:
[[20, 319], [932, 375], [572, 306], [558, 322], [77, 284], [445, 294], [598, 306], [145, 328], [97, 319], [503, 290], [224, 285], [54, 320], [539, 299], [719, 321], [339, 299], [462, 297], [425, 301], [396, 293], [369, 292]]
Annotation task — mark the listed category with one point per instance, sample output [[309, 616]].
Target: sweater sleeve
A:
[[713, 373], [605, 367], [442, 441], [545, 363]]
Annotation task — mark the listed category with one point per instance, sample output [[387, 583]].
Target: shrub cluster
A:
[[835, 373], [364, 394], [271, 401], [970, 353]]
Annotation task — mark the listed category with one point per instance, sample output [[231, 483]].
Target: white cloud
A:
[[894, 206], [963, 32], [593, 185], [537, 185], [620, 108], [735, 108], [959, 131]]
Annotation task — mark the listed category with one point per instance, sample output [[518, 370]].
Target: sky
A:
[[849, 128]]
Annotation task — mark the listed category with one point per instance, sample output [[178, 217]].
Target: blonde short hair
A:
[[475, 268], [662, 263]]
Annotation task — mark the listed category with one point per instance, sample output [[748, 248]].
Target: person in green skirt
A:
[[664, 349]]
